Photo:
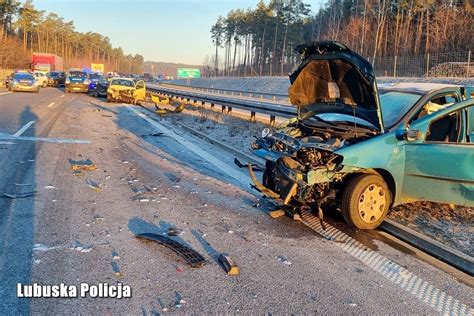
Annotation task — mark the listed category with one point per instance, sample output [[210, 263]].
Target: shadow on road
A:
[[17, 219]]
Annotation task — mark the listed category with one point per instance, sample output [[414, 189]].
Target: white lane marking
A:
[[51, 104], [227, 169], [3, 93], [62, 96], [23, 129], [7, 143], [425, 292], [45, 139]]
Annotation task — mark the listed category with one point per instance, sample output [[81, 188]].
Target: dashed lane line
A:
[[23, 129], [3, 93], [51, 104]]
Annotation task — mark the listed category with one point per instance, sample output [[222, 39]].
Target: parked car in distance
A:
[[56, 78], [94, 79], [100, 89], [362, 149], [77, 81], [22, 81], [126, 90], [41, 78]]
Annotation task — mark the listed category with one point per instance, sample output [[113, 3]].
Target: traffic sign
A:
[[189, 73]]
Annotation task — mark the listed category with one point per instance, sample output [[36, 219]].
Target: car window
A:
[[435, 104], [140, 85], [122, 82], [395, 105], [23, 77], [446, 129], [77, 74]]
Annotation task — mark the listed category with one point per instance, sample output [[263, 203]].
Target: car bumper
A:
[[77, 87], [25, 88]]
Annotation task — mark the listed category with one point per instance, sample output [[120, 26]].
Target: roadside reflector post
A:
[[272, 120], [274, 98], [252, 116]]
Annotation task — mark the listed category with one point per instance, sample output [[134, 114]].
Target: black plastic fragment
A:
[[191, 256], [241, 165]]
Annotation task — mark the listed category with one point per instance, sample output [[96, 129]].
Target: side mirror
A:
[[411, 135]]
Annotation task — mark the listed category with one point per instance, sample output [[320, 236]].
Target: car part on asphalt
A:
[[85, 165], [178, 106], [241, 165], [192, 257], [229, 265]]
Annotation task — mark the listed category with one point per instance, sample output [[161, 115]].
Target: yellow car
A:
[[126, 90]]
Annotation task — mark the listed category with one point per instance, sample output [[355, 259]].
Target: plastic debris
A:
[[93, 184], [277, 213], [83, 165], [284, 260], [49, 187], [229, 265], [191, 256]]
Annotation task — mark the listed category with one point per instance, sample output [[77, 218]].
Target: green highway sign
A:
[[189, 73]]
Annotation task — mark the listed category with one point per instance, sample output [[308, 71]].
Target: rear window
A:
[[77, 74], [23, 77], [122, 82]]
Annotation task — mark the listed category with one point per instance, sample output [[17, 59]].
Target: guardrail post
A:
[[395, 66], [229, 109], [272, 120], [212, 106], [223, 108], [203, 103], [252, 116], [468, 64]]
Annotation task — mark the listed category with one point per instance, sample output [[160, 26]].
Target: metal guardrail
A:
[[227, 103], [233, 92]]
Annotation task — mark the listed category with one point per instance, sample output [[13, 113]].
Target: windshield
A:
[[94, 76], [53, 74], [77, 74], [23, 77], [122, 82], [395, 105]]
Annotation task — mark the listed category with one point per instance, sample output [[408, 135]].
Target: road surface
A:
[[57, 227]]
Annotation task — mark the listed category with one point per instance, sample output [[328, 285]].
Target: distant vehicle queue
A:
[[116, 88]]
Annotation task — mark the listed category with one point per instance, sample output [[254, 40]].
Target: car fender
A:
[[384, 154]]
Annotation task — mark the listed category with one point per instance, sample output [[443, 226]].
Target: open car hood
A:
[[334, 79]]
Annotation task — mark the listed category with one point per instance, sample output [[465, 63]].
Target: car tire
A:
[[365, 201]]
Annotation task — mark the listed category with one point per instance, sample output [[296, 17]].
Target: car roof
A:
[[416, 87], [120, 78]]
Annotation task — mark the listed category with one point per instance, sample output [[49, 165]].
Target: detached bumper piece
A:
[[192, 257]]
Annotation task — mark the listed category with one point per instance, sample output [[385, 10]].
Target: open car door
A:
[[140, 91], [440, 157]]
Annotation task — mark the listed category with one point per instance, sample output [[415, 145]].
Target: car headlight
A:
[[67, 80], [265, 132]]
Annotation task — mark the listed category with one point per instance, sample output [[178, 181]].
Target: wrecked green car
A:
[[365, 148]]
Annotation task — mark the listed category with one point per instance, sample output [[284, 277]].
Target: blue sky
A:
[[160, 30]]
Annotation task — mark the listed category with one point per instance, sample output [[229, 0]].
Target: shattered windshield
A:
[[122, 82], [395, 105]]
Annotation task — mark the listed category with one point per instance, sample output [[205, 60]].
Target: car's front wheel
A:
[[365, 201]]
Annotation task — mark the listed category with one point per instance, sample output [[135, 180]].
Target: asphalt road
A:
[[56, 227]]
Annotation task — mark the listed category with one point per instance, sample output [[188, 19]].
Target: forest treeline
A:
[[263, 37], [24, 29]]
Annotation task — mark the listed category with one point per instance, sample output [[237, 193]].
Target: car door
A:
[[439, 163], [140, 91]]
